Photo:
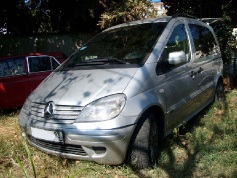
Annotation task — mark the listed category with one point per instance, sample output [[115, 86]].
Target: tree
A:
[[119, 11], [198, 8], [59, 16], [73, 15], [49, 16], [15, 17], [224, 9]]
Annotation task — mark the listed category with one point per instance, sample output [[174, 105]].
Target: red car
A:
[[20, 75]]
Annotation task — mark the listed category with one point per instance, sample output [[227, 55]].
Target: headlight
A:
[[26, 106], [103, 109]]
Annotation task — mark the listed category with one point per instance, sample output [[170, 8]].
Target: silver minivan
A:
[[119, 95]]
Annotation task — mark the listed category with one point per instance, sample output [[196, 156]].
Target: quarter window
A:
[[204, 41]]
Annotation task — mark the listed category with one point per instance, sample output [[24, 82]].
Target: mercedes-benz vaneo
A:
[[126, 89]]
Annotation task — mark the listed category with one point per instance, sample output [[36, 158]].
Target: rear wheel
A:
[[144, 150], [220, 92]]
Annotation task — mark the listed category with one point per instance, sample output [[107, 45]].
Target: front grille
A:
[[59, 147], [64, 114]]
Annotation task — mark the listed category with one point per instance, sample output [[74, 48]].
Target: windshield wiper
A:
[[86, 63], [111, 60], [98, 61]]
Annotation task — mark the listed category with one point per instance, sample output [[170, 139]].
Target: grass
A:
[[203, 147]]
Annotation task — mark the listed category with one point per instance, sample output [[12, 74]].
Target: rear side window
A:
[[204, 41], [12, 67], [42, 63]]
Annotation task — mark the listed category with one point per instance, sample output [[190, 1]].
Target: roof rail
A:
[[183, 15], [211, 20], [214, 22]]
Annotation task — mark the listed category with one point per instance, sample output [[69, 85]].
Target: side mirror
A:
[[177, 57]]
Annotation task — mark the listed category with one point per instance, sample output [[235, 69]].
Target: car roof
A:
[[143, 21], [159, 19]]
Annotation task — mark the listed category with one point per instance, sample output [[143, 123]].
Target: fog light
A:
[[99, 150]]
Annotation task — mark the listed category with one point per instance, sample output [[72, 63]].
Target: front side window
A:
[[55, 64], [204, 41], [124, 45], [176, 47], [41, 63], [12, 67]]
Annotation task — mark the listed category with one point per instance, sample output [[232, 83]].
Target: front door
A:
[[39, 68], [177, 84], [14, 87]]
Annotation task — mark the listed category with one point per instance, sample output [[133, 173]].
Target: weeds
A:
[[205, 147], [30, 158]]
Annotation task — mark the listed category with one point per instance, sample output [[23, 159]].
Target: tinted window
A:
[[204, 41], [12, 67], [41, 63], [178, 42], [54, 64]]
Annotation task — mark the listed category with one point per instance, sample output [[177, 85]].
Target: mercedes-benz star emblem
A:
[[49, 110]]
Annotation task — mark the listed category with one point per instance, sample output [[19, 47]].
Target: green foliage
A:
[[54, 16], [228, 42], [29, 156], [125, 11], [16, 17], [198, 8], [22, 167], [60, 16]]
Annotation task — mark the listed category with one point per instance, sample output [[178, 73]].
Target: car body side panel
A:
[[35, 78], [13, 91]]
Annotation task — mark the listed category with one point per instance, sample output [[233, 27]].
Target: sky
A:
[[155, 0]]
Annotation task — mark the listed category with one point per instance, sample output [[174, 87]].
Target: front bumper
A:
[[104, 146]]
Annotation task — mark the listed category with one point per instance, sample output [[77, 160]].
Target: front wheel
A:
[[144, 146], [220, 92]]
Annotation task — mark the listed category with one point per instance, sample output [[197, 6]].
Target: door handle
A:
[[193, 73], [200, 70]]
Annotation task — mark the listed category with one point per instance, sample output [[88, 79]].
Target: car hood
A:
[[80, 87]]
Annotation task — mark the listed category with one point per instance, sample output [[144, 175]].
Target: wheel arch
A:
[[159, 115], [219, 79]]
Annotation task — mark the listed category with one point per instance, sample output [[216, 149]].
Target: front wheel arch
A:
[[142, 153]]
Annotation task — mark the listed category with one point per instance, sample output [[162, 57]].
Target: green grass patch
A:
[[204, 147]]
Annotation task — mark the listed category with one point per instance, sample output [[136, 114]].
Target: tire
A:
[[220, 92], [144, 148]]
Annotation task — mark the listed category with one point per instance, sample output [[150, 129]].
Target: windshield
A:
[[124, 45]]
